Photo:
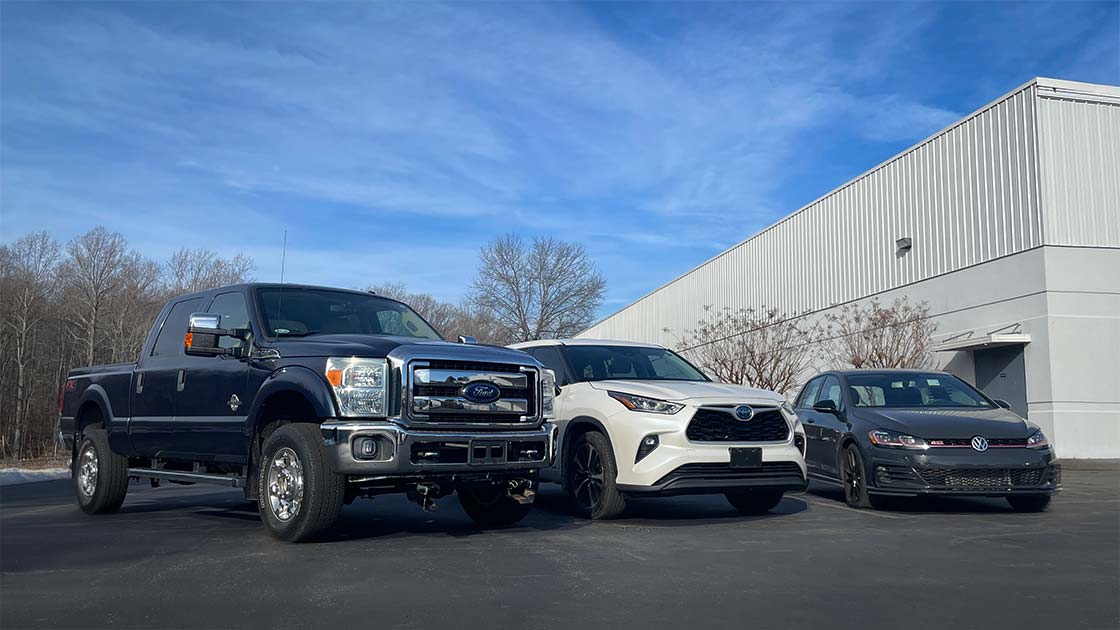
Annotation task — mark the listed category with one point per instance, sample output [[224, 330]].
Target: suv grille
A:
[[981, 477], [716, 425], [436, 395]]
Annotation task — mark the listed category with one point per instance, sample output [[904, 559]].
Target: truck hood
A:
[[949, 423], [380, 346], [689, 390]]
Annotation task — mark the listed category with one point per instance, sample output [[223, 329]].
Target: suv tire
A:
[[299, 497], [592, 475], [100, 476], [755, 501]]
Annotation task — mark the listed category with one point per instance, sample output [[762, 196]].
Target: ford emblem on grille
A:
[[744, 412], [480, 392], [979, 444]]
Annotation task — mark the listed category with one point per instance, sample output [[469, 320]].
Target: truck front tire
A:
[[298, 495], [491, 507], [100, 476]]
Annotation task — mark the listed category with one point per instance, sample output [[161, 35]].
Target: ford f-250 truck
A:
[[308, 397]]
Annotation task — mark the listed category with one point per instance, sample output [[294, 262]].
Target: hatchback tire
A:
[[1029, 502]]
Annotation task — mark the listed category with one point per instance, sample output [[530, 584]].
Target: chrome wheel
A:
[[587, 477], [853, 477], [285, 484], [87, 470]]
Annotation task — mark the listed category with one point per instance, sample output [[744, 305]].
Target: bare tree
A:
[[191, 270], [451, 320], [874, 336], [93, 269], [550, 288], [764, 347]]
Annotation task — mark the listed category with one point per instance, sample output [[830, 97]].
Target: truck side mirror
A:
[[204, 332]]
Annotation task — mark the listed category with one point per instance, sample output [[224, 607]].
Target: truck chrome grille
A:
[[436, 393]]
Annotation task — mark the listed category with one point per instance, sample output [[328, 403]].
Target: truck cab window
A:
[[235, 314], [169, 343]]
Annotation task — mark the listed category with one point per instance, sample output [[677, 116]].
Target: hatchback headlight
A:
[[359, 385], [897, 440], [1038, 440]]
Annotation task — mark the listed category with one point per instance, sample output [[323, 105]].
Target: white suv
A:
[[638, 419]]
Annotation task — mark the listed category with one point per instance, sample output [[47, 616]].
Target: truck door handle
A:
[[180, 382], [140, 383]]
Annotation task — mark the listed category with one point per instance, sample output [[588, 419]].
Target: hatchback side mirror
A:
[[825, 406], [1002, 403], [203, 336]]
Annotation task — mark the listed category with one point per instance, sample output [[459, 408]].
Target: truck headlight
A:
[[359, 385], [548, 394]]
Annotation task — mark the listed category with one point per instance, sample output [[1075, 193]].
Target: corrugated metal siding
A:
[[966, 196], [1079, 148]]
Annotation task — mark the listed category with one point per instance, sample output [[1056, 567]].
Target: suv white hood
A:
[[688, 390]]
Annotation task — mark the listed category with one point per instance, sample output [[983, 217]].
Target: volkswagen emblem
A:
[[480, 392], [979, 444], [744, 412]]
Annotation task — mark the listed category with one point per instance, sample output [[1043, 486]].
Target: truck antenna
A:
[[283, 255]]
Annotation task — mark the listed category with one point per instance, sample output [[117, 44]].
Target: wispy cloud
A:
[[392, 140]]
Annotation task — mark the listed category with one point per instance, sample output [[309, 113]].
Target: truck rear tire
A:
[[100, 476], [299, 497], [490, 507]]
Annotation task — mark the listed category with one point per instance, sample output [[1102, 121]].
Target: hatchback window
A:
[[891, 389]]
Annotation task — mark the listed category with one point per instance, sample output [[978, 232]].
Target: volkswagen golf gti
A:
[[882, 433]]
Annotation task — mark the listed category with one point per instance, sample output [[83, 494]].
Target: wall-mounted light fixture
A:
[[903, 245]]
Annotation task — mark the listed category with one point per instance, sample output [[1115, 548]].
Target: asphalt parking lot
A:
[[195, 556]]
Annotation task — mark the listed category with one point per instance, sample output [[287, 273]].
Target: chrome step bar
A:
[[232, 481]]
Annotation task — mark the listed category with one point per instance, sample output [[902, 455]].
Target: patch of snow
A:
[[12, 476]]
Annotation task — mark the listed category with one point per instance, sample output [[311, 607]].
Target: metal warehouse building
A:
[[1014, 219]]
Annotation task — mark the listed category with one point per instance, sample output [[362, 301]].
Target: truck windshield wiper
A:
[[297, 334]]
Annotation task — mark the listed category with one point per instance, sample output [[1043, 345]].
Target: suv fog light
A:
[[799, 442], [646, 447], [365, 448]]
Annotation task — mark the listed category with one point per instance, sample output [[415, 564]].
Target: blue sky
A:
[[393, 140]]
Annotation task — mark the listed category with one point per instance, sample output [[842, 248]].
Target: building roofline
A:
[[1073, 89]]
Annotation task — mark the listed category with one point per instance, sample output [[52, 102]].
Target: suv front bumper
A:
[[401, 451]]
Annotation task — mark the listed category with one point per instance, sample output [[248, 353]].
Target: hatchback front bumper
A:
[[964, 472]]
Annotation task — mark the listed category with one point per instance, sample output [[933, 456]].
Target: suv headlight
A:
[[897, 440], [359, 385], [1038, 440], [548, 394], [646, 405]]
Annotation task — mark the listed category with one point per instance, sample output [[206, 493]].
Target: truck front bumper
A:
[[400, 451]]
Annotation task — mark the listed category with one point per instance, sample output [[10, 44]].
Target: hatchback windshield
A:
[[913, 390], [298, 312], [599, 363]]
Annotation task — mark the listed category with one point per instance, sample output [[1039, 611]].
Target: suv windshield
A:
[[299, 312], [600, 363], [913, 390]]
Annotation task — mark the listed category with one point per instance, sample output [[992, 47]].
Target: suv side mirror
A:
[[825, 406], [204, 332], [1002, 403]]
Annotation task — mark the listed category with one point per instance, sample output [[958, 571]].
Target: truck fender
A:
[[294, 380], [117, 428]]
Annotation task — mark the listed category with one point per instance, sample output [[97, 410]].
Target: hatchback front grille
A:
[[719, 425], [981, 477], [967, 442]]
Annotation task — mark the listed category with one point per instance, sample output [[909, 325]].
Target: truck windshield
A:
[[892, 389], [300, 312], [600, 363]]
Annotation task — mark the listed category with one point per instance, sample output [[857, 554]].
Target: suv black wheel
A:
[[591, 478], [1029, 502], [755, 501], [299, 497], [490, 506], [100, 475]]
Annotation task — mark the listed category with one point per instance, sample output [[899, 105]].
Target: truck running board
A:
[[196, 477]]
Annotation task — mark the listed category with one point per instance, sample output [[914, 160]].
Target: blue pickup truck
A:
[[309, 397]]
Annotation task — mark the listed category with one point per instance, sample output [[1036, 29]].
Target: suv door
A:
[[213, 403], [155, 382]]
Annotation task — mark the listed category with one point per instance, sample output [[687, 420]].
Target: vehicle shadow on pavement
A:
[[671, 511], [923, 504]]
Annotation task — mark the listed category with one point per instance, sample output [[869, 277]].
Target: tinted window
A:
[[234, 312], [169, 342], [830, 390], [914, 390], [597, 363], [551, 359], [297, 312], [809, 393]]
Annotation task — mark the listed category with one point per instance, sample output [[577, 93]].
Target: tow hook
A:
[[423, 496], [521, 490]]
